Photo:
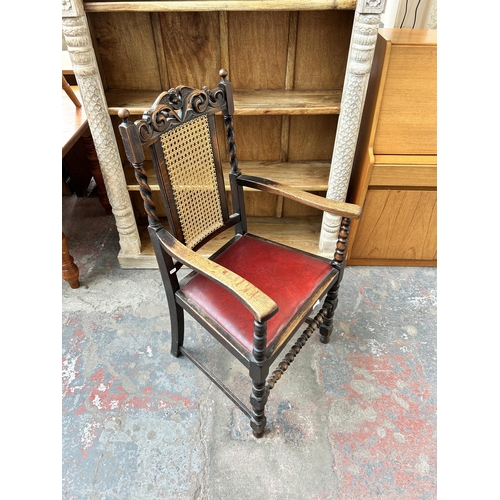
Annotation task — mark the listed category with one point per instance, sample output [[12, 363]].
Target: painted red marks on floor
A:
[[72, 361], [106, 393], [383, 431]]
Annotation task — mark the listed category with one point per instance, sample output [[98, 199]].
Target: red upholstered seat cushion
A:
[[288, 277]]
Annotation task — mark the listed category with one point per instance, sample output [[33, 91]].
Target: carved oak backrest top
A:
[[178, 106], [179, 130]]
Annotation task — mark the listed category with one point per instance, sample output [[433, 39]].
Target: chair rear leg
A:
[[330, 305], [171, 284], [332, 297]]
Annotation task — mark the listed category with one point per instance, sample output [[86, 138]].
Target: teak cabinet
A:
[[394, 174], [287, 61]]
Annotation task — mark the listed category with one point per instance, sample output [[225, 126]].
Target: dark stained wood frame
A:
[[170, 110]]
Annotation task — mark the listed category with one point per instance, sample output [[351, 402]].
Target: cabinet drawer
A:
[[402, 172], [397, 225]]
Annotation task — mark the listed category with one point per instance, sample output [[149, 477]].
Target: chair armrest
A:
[[257, 302], [312, 200]]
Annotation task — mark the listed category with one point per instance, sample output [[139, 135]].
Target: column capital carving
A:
[[72, 8], [370, 6]]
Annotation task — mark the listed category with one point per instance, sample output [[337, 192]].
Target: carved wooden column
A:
[[77, 37], [361, 50]]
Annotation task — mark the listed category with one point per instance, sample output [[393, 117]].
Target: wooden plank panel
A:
[[312, 137], [322, 49], [258, 204], [138, 205], [397, 224], [160, 50], [294, 209], [258, 137], [127, 55], [224, 41], [407, 120], [258, 46], [191, 41]]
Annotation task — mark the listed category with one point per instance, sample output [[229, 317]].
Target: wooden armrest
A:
[[334, 207], [257, 302]]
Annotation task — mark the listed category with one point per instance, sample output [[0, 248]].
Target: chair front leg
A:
[[258, 400], [259, 372], [177, 329], [332, 299]]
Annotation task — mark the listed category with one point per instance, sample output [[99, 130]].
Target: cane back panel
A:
[[192, 176], [181, 134]]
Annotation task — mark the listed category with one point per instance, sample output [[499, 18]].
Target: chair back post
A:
[[135, 155], [168, 271], [237, 198]]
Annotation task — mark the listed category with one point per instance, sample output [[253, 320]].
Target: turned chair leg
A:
[[258, 372], [70, 272], [332, 297], [258, 400]]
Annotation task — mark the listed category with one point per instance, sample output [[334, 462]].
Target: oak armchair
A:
[[253, 294]]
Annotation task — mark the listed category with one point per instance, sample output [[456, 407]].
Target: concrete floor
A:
[[354, 419]]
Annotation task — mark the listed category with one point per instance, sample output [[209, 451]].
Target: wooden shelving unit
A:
[[287, 62], [287, 68]]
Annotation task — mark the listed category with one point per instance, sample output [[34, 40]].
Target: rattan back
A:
[[190, 172]]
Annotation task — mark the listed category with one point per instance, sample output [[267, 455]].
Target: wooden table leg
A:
[[70, 270], [95, 170], [69, 91]]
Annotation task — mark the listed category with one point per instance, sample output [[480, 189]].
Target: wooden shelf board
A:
[[297, 232], [214, 5], [278, 102], [309, 176], [246, 102]]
